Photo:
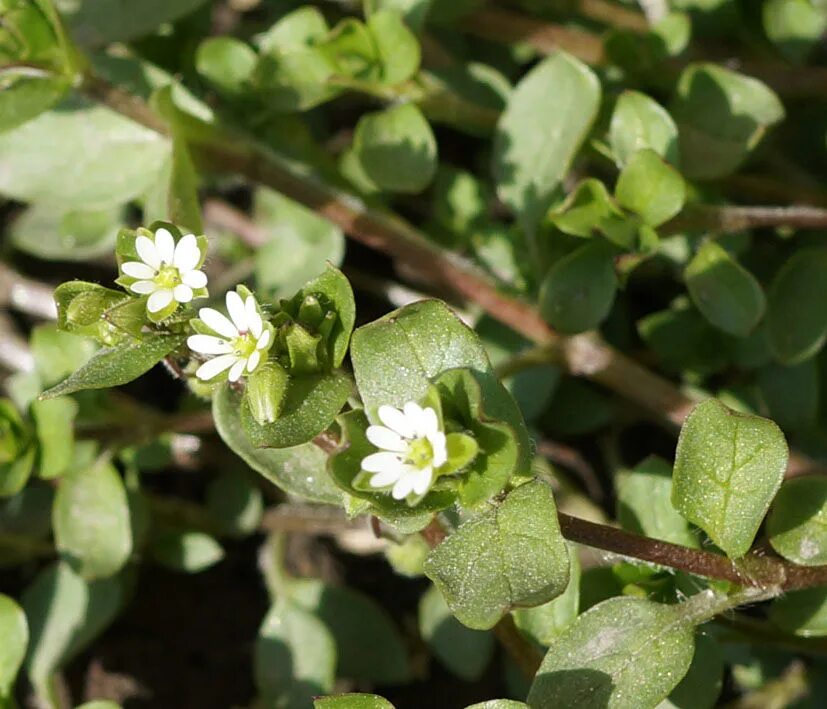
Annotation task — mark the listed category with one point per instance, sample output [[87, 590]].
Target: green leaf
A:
[[295, 30], [94, 23], [173, 197], [726, 293], [352, 701], [311, 403], [24, 94], [114, 158], [728, 467], [298, 243], [54, 421], [397, 46], [794, 26], [797, 523], [512, 555], [460, 201], [499, 704], [17, 450], [65, 615], [58, 354], [395, 149], [544, 125], [51, 233], [639, 122], [544, 623], [586, 210], [644, 503], [801, 612], [15, 633], [464, 651], [796, 323], [702, 684], [650, 187], [579, 289], [91, 521], [721, 116], [100, 704], [791, 394], [227, 63], [117, 365], [187, 551], [235, 503], [299, 471], [369, 646], [624, 652], [414, 12], [294, 658]]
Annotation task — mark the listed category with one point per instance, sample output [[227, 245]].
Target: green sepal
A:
[[82, 309], [265, 392], [17, 450], [462, 449], [303, 349], [310, 405], [345, 468], [467, 397]]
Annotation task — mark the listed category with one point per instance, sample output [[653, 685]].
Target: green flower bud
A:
[[265, 392]]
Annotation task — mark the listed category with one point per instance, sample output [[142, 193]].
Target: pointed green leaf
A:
[[620, 654], [797, 523], [14, 630], [728, 467], [91, 520], [117, 365], [579, 289], [650, 187], [543, 127], [640, 122], [352, 701], [726, 293], [464, 651], [796, 321], [512, 555], [397, 46], [294, 658]]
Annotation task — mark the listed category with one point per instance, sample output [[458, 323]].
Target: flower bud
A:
[[265, 392]]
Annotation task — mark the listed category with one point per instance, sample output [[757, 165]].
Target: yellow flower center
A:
[[420, 453], [168, 277]]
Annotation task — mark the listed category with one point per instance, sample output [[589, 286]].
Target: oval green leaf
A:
[[797, 523], [640, 122], [14, 631], [728, 467]]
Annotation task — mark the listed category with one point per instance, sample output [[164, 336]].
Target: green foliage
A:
[[15, 633], [724, 291], [650, 187], [639, 123], [512, 555], [703, 681], [17, 450], [624, 652], [464, 651], [189, 552], [728, 467], [795, 526], [546, 121], [721, 116], [352, 701]]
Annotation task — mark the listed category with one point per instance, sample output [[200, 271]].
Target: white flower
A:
[[239, 343], [412, 447], [167, 271]]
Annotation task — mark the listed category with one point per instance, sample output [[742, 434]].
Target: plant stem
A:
[[26, 295], [732, 218]]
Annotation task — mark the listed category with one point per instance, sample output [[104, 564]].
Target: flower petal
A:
[[439, 447], [215, 366], [422, 480], [404, 486], [254, 321], [218, 322], [384, 438], [207, 344], [385, 478], [237, 370], [395, 420], [165, 245], [194, 279], [380, 462], [187, 254], [136, 269], [253, 360], [159, 300], [415, 416], [428, 422], [147, 251], [143, 287], [235, 306], [182, 293], [263, 341]]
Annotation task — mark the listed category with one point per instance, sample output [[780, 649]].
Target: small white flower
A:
[[240, 341], [412, 447], [167, 271]]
